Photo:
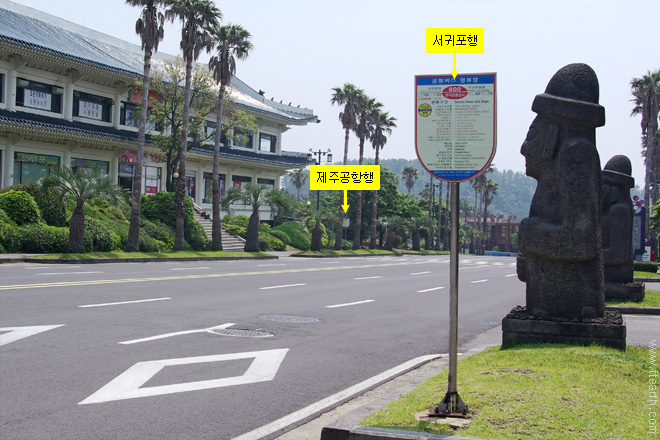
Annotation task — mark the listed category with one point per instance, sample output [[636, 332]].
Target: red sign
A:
[[129, 157], [150, 189], [135, 96], [454, 92]]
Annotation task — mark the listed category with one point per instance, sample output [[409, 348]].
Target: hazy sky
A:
[[304, 48]]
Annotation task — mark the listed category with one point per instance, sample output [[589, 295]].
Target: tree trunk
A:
[[216, 228], [181, 193], [389, 240], [252, 240], [342, 214], [77, 229], [415, 241], [133, 241], [357, 239], [316, 237], [374, 213]]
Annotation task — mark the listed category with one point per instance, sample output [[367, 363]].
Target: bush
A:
[[101, 238], [158, 231], [280, 235], [645, 266], [10, 238], [270, 243], [236, 230], [160, 207], [20, 207], [298, 238], [240, 220], [49, 202], [264, 228], [44, 239]]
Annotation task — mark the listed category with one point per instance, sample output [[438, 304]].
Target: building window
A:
[[90, 106], [270, 183], [38, 95], [209, 132], [192, 178], [126, 172], [242, 138], [207, 197], [2, 87], [267, 142], [31, 167], [90, 165], [240, 181], [130, 117], [151, 180]]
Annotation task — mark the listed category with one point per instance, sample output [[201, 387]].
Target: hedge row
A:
[[646, 266]]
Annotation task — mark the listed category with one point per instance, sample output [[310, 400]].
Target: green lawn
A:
[[122, 254], [538, 391], [639, 274], [651, 299]]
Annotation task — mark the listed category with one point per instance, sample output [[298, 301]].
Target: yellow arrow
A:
[[454, 72], [345, 205]]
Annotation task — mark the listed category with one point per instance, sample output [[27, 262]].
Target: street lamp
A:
[[310, 156]]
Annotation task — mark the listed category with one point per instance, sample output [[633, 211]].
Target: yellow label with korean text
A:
[[344, 177], [454, 40]]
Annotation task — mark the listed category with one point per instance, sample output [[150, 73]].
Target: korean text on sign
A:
[[454, 40], [340, 177]]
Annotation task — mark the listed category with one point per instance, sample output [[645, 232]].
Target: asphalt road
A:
[[220, 350]]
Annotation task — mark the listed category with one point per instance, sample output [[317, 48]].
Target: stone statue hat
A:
[[572, 93], [618, 171]]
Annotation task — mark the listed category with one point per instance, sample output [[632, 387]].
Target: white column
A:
[[116, 109], [114, 168], [11, 91], [66, 158], [8, 166], [68, 100]]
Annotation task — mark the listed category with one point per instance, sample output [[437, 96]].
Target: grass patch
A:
[[424, 252], [130, 255], [640, 274], [331, 252], [538, 391], [651, 299]]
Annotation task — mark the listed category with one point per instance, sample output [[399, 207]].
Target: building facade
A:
[[67, 97]]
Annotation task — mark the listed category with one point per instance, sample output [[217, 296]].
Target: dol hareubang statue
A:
[[560, 242]]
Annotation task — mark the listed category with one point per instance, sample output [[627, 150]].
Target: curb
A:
[[346, 256], [635, 310], [646, 280], [129, 260], [368, 433]]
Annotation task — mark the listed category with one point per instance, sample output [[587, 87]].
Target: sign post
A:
[[455, 139]]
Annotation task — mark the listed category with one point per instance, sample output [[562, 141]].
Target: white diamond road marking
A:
[[16, 333], [430, 290], [124, 302], [279, 287], [169, 335], [128, 384], [350, 304]]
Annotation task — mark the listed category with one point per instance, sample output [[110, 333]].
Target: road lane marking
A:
[[169, 335], [68, 273], [267, 265], [280, 287], [201, 276], [128, 385], [419, 273], [478, 281], [46, 266], [368, 278], [511, 275], [190, 268], [15, 333], [430, 290], [335, 399], [124, 302], [350, 304]]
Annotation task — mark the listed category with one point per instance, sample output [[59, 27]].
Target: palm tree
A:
[[417, 225], [489, 193], [646, 100], [318, 217], [233, 42], [298, 178], [410, 175], [83, 185], [150, 29], [198, 18], [255, 195], [348, 96], [383, 124]]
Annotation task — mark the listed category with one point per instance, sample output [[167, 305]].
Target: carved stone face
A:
[[532, 148]]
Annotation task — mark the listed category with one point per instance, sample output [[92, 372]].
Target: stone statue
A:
[[617, 220], [560, 242]]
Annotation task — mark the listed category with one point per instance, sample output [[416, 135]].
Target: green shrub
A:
[[226, 219], [102, 238], [264, 228], [240, 220], [270, 243], [236, 230], [44, 239], [298, 238], [99, 202], [49, 202], [280, 235], [645, 266], [20, 207], [158, 231], [160, 207], [10, 238], [4, 218]]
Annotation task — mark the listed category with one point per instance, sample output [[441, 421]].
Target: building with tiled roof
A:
[[66, 99]]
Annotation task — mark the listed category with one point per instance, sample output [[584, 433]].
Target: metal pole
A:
[[452, 405]]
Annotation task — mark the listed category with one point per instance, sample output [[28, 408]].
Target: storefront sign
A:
[[89, 164], [36, 99], [129, 157], [126, 169], [150, 189], [90, 110], [135, 97], [36, 158], [455, 124]]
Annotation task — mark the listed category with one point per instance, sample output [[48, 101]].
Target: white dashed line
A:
[[511, 275], [478, 281], [420, 273], [350, 304], [280, 287], [125, 302], [266, 265], [430, 290], [367, 278], [68, 273], [190, 268]]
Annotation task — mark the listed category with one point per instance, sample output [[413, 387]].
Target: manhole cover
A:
[[241, 333], [286, 318]]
